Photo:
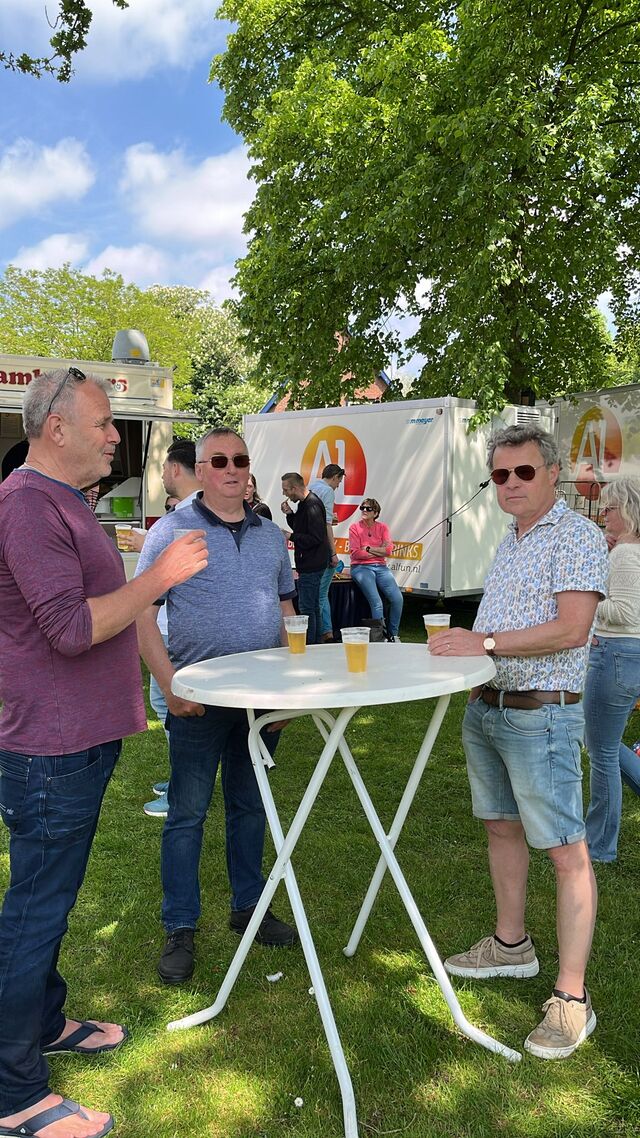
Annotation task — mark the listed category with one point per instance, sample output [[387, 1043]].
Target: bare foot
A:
[[85, 1124], [108, 1033]]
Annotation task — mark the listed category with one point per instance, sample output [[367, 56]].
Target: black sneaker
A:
[[272, 932], [176, 962]]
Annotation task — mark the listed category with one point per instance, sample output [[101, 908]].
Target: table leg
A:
[[398, 822], [386, 849], [282, 868]]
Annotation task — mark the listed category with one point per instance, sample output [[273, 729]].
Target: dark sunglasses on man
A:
[[524, 473], [221, 461]]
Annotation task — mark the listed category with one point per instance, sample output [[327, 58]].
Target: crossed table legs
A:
[[332, 729]]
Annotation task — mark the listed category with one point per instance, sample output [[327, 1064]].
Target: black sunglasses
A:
[[76, 374], [524, 473], [367, 509], [220, 461]]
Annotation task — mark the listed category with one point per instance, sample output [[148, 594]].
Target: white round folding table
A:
[[318, 684]]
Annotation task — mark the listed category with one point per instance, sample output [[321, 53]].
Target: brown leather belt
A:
[[526, 700]]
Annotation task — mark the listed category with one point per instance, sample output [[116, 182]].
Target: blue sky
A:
[[128, 166]]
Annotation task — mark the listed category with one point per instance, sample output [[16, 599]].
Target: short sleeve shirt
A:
[[563, 552], [326, 495]]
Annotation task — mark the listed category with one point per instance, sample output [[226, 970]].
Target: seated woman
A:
[[369, 545], [613, 676]]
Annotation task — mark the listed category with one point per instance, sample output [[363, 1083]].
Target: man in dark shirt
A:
[[70, 688], [311, 547]]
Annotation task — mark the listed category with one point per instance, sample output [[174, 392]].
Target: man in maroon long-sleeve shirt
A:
[[70, 690]]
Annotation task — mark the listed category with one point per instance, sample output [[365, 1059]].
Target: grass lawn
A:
[[413, 1074]]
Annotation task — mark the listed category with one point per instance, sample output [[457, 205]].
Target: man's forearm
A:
[[115, 611], [153, 650]]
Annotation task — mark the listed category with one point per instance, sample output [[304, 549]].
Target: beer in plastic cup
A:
[[436, 622], [296, 627], [122, 538], [356, 646]]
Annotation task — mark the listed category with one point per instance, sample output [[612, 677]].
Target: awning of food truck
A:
[[138, 409]]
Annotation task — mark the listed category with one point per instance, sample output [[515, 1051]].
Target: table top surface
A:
[[274, 678]]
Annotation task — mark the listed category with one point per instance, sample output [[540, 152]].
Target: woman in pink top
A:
[[369, 545]]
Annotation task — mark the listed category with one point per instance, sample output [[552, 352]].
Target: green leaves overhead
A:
[[473, 165], [70, 30]]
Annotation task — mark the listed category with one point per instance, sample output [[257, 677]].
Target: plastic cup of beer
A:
[[436, 622], [296, 627], [356, 646], [123, 534]]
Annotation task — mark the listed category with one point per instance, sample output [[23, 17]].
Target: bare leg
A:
[[577, 902], [509, 865]]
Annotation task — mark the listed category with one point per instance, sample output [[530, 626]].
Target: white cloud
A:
[[129, 44], [217, 282], [33, 176], [52, 252], [141, 264], [172, 198]]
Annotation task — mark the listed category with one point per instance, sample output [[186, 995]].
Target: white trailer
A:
[[142, 405], [418, 460]]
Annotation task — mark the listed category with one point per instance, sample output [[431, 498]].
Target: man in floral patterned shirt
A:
[[522, 734]]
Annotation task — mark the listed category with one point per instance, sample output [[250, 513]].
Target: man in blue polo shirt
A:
[[238, 608]]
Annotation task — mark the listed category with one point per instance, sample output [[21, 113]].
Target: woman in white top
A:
[[613, 678]]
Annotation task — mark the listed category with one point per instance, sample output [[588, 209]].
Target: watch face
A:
[[489, 644]]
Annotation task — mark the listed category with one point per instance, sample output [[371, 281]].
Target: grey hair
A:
[[40, 392], [624, 494], [518, 436], [214, 433]]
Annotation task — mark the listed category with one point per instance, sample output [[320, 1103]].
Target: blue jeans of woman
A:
[[51, 806], [197, 746], [611, 690], [374, 580]]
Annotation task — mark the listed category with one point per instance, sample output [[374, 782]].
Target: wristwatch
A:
[[489, 644], [367, 549]]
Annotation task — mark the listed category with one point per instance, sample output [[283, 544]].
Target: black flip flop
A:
[[70, 1045], [29, 1129]]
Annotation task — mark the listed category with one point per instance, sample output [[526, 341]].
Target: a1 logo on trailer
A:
[[596, 450], [336, 444]]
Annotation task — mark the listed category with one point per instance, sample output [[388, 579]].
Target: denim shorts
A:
[[525, 766]]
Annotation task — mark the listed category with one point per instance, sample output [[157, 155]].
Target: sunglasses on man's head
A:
[[76, 374], [524, 473], [221, 461], [367, 509]]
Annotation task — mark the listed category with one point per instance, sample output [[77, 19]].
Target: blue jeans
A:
[[197, 746], [308, 586], [374, 580], [51, 807], [525, 766], [611, 690], [326, 623]]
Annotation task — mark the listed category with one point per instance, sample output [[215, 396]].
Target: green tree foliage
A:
[[474, 164], [70, 30], [63, 313]]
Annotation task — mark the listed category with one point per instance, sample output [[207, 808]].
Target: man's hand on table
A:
[[457, 642]]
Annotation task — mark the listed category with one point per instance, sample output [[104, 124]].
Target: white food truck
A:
[[418, 460], [142, 404]]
